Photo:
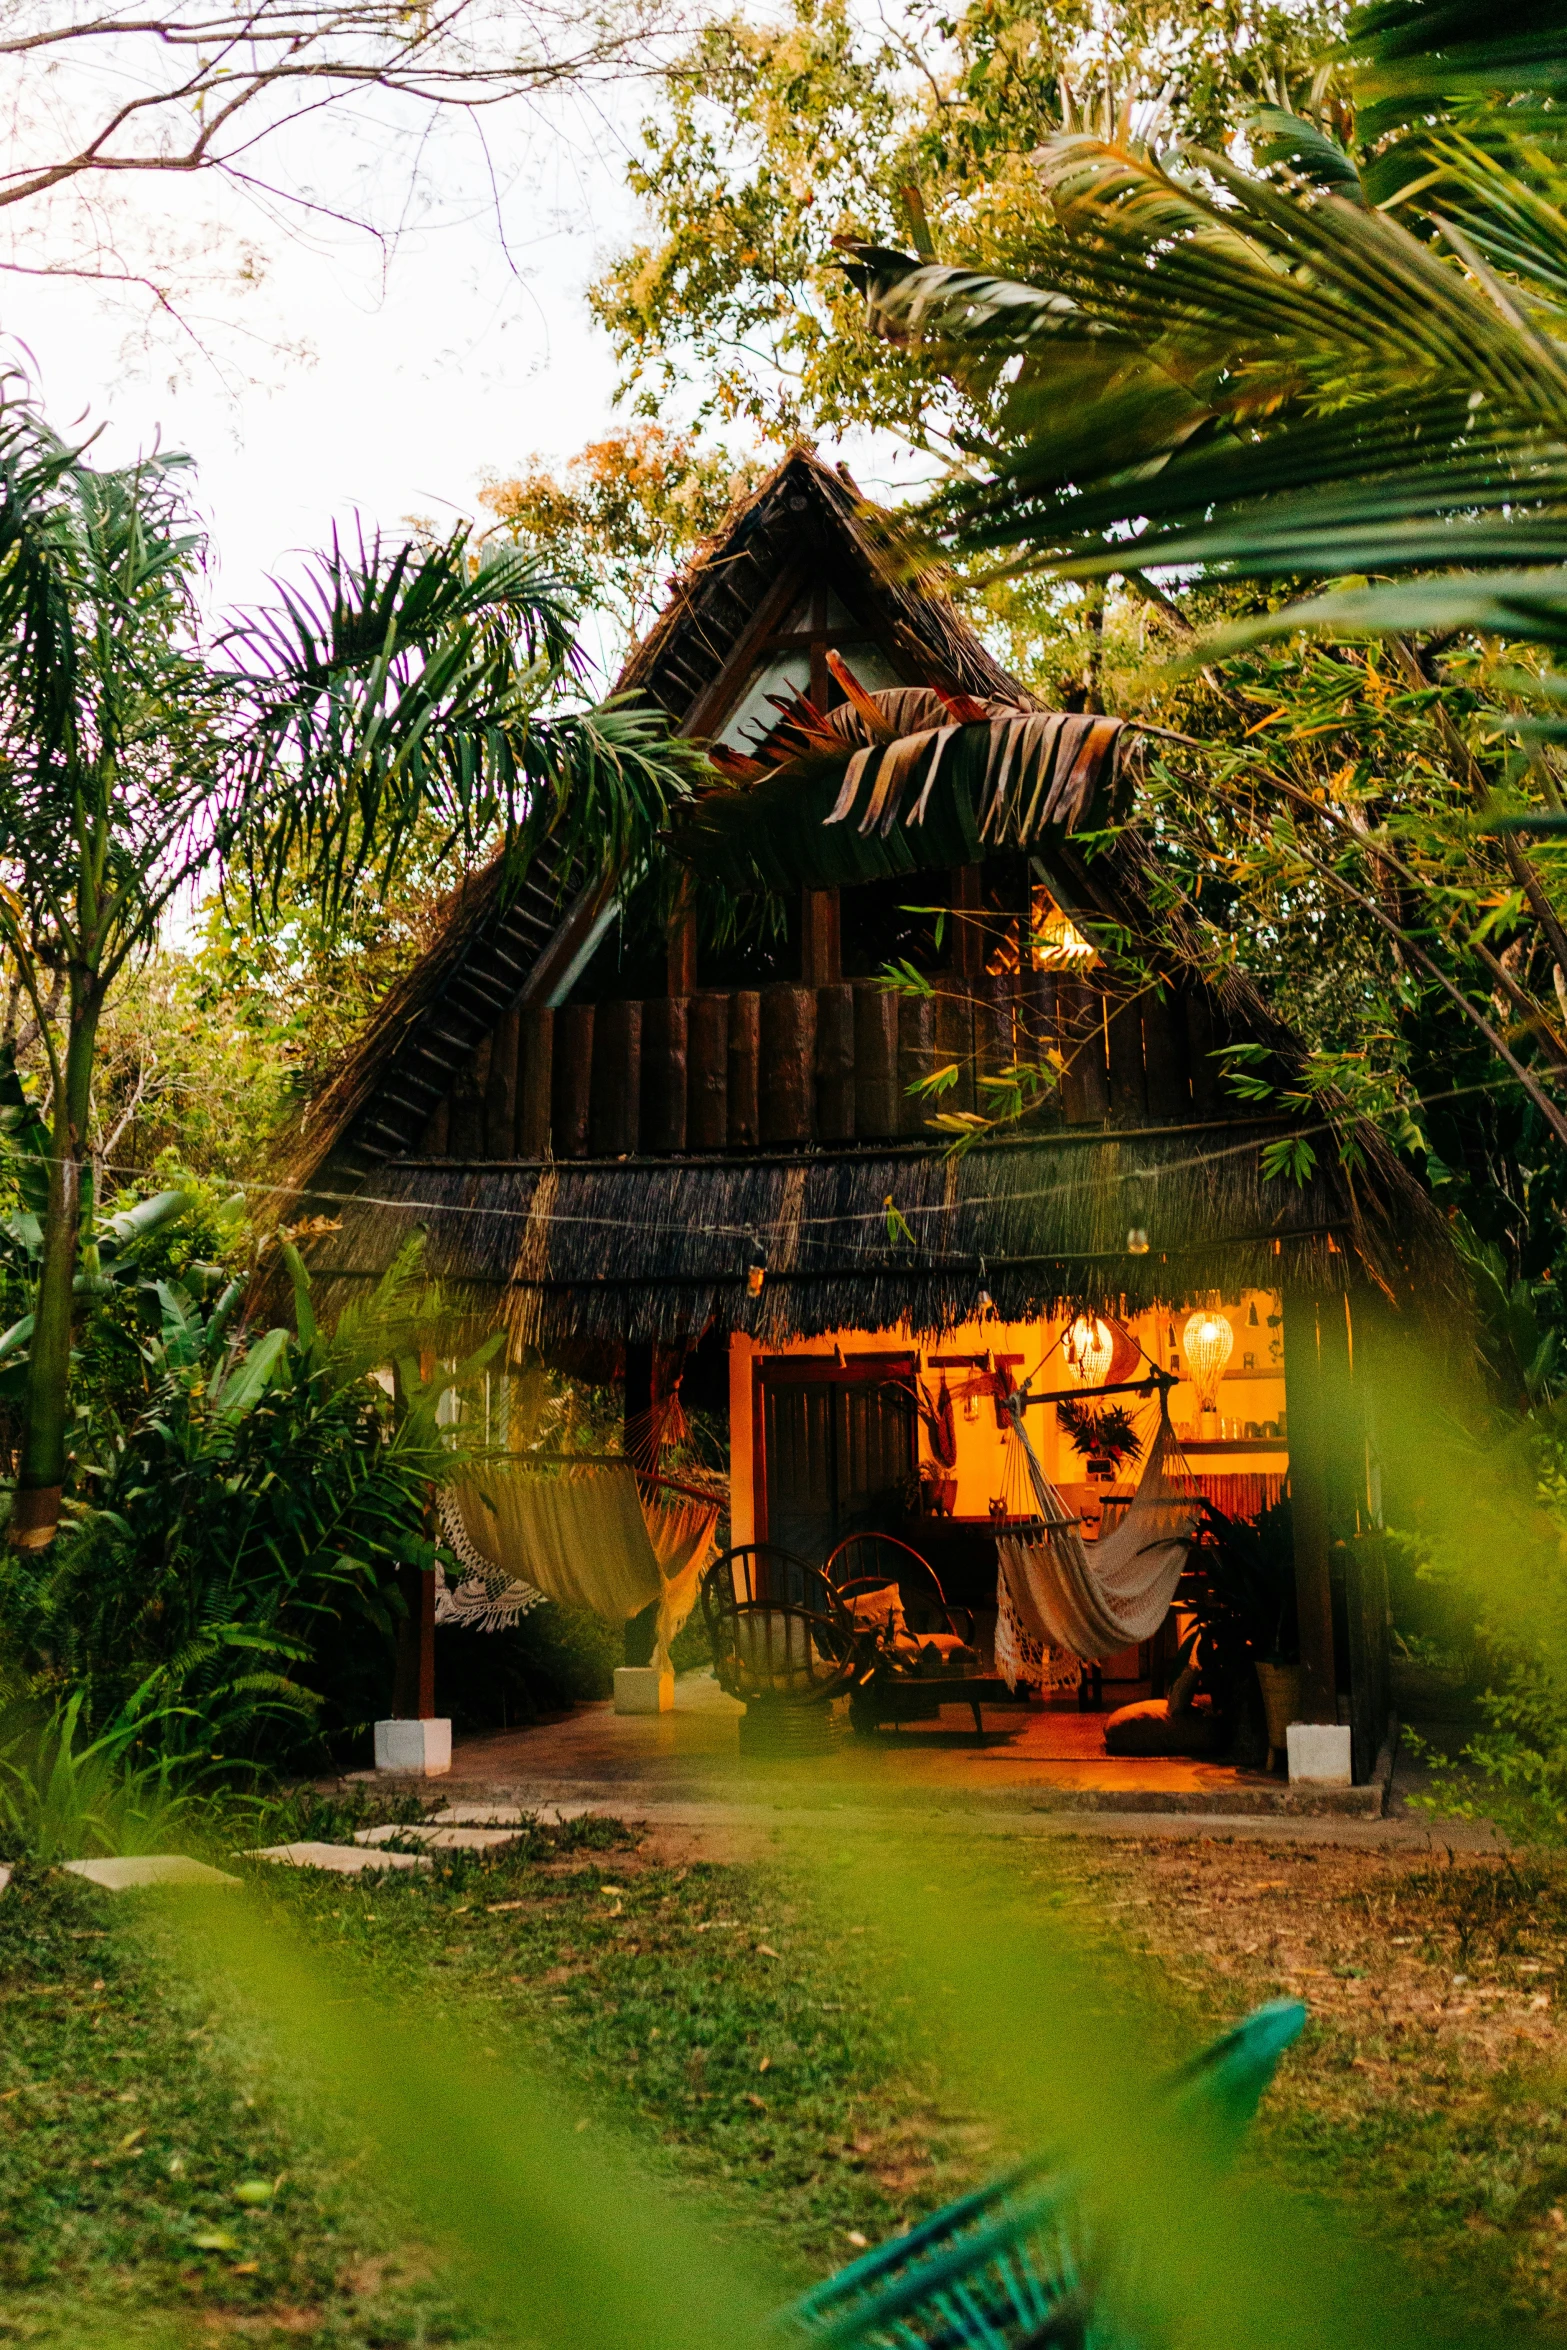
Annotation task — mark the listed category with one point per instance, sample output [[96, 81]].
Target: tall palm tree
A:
[[315, 738]]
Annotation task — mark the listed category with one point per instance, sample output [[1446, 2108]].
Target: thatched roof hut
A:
[[592, 1159]]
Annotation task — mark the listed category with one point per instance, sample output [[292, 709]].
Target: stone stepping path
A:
[[133, 1872], [342, 1860], [438, 1836]]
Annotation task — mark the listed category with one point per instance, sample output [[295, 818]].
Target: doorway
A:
[[837, 1449]]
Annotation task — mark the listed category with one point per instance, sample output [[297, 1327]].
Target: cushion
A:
[[776, 1649], [1151, 1727], [878, 1611]]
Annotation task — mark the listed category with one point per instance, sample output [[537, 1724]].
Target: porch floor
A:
[[1027, 1759]]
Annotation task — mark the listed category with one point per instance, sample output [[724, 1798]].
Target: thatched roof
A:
[[489, 954], [658, 1250], [805, 513]]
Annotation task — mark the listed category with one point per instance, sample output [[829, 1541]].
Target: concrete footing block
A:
[[643, 1689], [424, 1748], [1319, 1754]]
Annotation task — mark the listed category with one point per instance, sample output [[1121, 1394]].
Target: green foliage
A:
[[779, 137], [1108, 1429], [623, 515], [65, 1794], [229, 1588]]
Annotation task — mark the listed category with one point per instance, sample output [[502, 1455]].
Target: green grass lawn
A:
[[150, 2162], [159, 2182]]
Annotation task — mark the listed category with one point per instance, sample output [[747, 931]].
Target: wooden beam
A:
[[835, 1063], [714, 703], [745, 1061]]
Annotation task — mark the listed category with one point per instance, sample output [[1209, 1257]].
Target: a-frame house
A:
[[628, 1139]]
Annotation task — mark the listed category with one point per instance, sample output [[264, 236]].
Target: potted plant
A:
[[1102, 1435], [1239, 1589]]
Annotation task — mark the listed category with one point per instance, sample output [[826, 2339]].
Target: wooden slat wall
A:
[[795, 1065]]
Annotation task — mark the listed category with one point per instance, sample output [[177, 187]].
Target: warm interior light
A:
[[1207, 1340], [1088, 1347], [1055, 942]]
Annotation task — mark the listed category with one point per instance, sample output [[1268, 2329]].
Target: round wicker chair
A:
[[782, 1641]]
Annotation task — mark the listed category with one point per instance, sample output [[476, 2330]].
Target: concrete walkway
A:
[[1034, 1774]]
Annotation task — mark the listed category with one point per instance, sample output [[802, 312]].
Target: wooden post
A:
[[707, 1073], [681, 962], [641, 1630], [745, 1046], [1207, 1094], [500, 1095], [1085, 1090], [788, 1064], [1124, 1050], [1310, 1480], [877, 1102], [573, 1096], [536, 1082], [955, 1048], [664, 1030], [916, 1059], [466, 1134], [1164, 1059], [820, 948], [616, 1094], [835, 1064]]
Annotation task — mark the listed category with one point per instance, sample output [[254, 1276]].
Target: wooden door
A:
[[837, 1451]]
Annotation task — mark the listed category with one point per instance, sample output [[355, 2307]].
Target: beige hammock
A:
[[1057, 1592], [593, 1537]]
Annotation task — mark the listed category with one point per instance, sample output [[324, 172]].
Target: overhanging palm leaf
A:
[[416, 682], [1265, 377]]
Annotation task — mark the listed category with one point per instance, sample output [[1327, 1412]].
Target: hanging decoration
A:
[[1088, 1347], [1207, 1341]]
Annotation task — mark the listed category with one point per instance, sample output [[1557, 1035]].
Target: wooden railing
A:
[[786, 1066]]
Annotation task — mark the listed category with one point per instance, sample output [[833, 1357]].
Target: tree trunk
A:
[[35, 1506]]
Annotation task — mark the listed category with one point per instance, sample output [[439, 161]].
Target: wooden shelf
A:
[[1235, 1444]]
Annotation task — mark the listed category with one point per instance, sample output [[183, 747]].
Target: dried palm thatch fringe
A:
[[1043, 769], [930, 779], [658, 1250]]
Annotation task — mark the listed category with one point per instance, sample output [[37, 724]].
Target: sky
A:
[[334, 386]]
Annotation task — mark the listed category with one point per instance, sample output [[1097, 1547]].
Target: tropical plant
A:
[[622, 516], [61, 1799], [313, 741], [248, 1526], [1103, 1431], [781, 133]]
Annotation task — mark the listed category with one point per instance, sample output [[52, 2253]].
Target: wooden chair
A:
[[779, 1632], [914, 1660]]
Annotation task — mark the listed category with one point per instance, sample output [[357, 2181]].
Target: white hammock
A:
[[586, 1535], [1057, 1592]]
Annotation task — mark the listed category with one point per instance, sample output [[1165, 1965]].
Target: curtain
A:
[[586, 1536]]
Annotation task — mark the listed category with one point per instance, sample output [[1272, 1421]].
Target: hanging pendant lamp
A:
[[1207, 1341], [1088, 1347]]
